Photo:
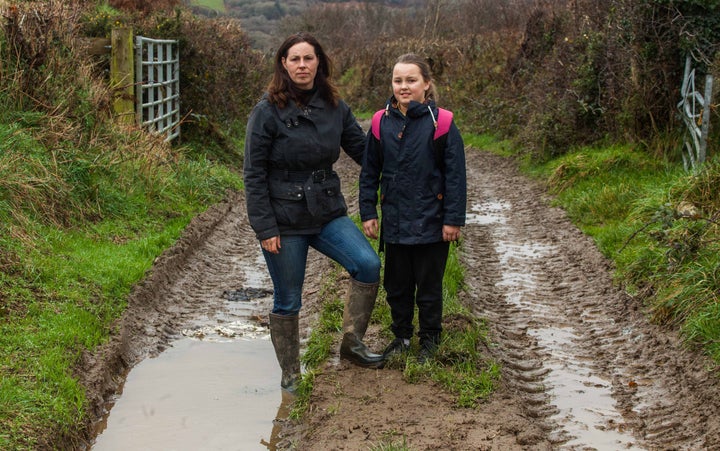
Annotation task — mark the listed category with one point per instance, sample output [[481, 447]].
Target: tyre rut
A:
[[563, 330]]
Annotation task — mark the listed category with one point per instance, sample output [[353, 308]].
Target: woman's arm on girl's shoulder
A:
[[370, 178], [353, 137]]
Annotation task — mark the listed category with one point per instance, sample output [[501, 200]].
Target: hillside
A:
[[262, 19]]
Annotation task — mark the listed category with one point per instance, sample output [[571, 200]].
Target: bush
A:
[[221, 76]]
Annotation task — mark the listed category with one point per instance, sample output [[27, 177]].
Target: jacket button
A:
[[439, 196]]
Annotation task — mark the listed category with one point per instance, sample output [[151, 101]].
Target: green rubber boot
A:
[[356, 316], [284, 333]]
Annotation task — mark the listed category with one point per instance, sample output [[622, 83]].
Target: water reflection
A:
[[197, 395], [282, 416]]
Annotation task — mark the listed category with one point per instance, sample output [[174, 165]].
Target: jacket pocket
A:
[[436, 202], [288, 203], [325, 201]]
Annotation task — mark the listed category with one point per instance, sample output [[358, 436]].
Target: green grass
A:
[[78, 229], [71, 292], [488, 143], [215, 5], [389, 443]]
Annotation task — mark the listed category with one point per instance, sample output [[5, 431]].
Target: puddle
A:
[[217, 388], [586, 407], [197, 395], [586, 411], [487, 213]]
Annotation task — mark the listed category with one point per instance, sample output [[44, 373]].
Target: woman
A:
[[422, 185], [294, 201]]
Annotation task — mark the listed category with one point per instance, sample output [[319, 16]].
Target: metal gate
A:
[[157, 87], [695, 112]]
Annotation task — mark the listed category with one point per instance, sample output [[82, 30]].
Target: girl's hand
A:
[[451, 233], [370, 228]]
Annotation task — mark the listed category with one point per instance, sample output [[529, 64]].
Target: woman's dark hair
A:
[[422, 64], [281, 88]]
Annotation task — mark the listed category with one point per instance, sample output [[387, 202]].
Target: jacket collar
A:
[[415, 109], [292, 111]]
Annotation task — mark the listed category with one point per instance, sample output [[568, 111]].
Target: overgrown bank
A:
[[86, 206]]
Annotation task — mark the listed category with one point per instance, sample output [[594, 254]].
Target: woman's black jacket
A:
[[290, 187], [422, 187]]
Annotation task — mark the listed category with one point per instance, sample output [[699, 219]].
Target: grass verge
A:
[[214, 5], [79, 227]]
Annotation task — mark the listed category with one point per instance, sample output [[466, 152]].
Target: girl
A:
[[422, 185]]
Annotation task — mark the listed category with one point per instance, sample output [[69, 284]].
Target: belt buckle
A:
[[319, 176]]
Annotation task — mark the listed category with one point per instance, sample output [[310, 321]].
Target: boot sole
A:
[[377, 365]]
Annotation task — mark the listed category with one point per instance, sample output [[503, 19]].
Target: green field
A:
[[216, 5]]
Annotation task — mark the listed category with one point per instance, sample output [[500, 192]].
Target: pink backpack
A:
[[442, 125]]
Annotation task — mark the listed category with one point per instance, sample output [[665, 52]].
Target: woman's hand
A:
[[271, 244], [451, 233], [370, 227]]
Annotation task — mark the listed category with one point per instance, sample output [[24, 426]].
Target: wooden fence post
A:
[[122, 74]]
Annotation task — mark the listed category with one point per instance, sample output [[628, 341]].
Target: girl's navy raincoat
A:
[[419, 190]]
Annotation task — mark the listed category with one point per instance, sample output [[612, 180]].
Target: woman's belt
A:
[[318, 175]]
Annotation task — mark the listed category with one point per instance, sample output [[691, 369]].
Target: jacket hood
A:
[[415, 109]]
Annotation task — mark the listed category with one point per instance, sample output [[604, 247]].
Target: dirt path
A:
[[582, 368]]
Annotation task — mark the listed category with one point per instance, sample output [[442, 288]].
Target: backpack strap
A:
[[375, 126], [444, 120]]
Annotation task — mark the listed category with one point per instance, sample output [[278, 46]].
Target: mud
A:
[[582, 366]]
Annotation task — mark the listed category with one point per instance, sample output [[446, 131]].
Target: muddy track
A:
[[582, 367], [563, 329]]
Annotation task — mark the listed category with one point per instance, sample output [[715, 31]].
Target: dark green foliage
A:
[[552, 77], [697, 25]]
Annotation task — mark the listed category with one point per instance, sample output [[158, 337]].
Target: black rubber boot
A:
[[356, 352], [356, 316], [428, 348], [284, 333]]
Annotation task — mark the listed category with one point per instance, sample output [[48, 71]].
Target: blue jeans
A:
[[340, 239]]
